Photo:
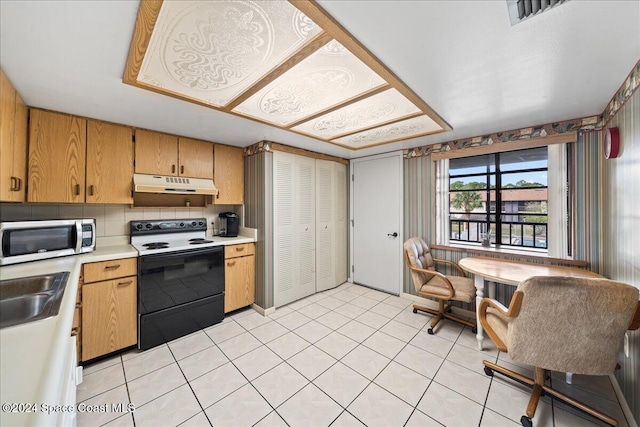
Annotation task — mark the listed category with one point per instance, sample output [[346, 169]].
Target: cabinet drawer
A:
[[105, 270], [244, 249]]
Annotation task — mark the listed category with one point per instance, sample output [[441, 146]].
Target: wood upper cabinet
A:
[[239, 276], [156, 153], [228, 174], [195, 158], [109, 163], [57, 154], [13, 143], [162, 154], [109, 310]]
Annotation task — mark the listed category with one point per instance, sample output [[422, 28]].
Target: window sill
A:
[[526, 255]]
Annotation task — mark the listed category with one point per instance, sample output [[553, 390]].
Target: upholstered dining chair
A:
[[433, 284], [563, 324]]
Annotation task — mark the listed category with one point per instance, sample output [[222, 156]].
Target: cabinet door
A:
[[196, 158], [7, 122], [156, 153], [57, 150], [109, 163], [228, 175], [20, 134], [108, 316], [239, 282]]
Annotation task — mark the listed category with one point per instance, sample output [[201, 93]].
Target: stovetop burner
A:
[[199, 241], [156, 245]]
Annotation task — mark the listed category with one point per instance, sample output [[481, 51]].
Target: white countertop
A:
[[32, 355]]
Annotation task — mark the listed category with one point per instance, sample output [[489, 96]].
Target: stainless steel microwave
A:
[[23, 241]]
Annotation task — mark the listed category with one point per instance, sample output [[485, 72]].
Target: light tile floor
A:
[[350, 356]]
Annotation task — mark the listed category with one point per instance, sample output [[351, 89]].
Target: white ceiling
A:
[[461, 57]]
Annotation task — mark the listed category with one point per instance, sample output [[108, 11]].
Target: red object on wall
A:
[[611, 145]]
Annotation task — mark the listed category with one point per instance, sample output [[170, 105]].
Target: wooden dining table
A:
[[511, 273]]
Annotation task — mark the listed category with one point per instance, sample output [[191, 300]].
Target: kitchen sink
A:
[[31, 298]]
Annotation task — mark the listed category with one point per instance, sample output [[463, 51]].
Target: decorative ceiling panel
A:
[[283, 63], [410, 128], [213, 51], [328, 77], [378, 109]]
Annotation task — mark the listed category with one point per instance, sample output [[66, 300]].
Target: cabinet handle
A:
[[19, 184], [77, 187], [112, 267], [173, 168], [128, 282], [78, 305], [231, 264], [241, 248], [14, 184], [218, 195], [74, 332], [91, 190], [182, 169]]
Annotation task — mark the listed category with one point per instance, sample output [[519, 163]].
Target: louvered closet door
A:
[[305, 214], [340, 203], [283, 229], [325, 216], [293, 227]]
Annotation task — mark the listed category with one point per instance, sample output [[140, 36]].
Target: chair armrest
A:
[[451, 263], [635, 320], [440, 275], [511, 312]]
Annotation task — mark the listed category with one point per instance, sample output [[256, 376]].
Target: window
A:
[[516, 181], [511, 199]]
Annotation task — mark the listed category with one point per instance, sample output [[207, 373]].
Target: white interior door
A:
[[376, 197]]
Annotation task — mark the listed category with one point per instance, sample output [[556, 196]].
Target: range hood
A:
[[143, 183]]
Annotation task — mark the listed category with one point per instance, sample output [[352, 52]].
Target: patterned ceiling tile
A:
[[405, 129], [381, 108], [326, 78], [213, 51]]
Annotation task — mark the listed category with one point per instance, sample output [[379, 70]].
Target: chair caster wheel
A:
[[526, 421], [474, 330], [430, 331], [488, 371], [415, 310]]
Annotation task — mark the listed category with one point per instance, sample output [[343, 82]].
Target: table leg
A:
[[478, 282], [492, 290]]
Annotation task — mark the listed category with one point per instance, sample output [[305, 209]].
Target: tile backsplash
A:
[[112, 220]]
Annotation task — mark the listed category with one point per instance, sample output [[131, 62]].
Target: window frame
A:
[[559, 185], [492, 178]]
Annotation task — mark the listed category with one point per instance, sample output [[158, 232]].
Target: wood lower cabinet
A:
[[57, 155], [109, 308], [228, 171], [239, 273], [13, 143], [109, 163]]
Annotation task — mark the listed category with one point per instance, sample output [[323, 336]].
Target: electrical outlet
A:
[[626, 345]]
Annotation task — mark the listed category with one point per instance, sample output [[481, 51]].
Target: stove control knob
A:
[[200, 223], [193, 224], [138, 226], [149, 226], [182, 224]]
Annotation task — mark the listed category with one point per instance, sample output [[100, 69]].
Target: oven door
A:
[[175, 278]]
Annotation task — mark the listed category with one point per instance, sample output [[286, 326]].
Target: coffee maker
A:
[[229, 224]]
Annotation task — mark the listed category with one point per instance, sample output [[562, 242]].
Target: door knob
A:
[[392, 234]]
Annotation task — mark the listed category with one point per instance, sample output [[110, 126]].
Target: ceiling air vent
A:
[[520, 10]]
